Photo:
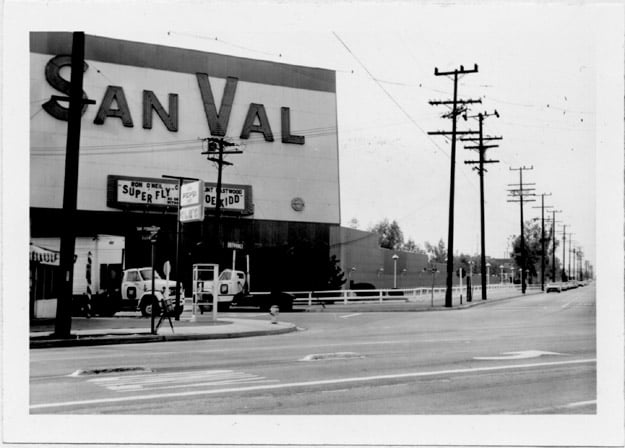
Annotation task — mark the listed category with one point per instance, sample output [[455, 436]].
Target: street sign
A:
[[148, 233], [167, 268], [192, 202], [192, 213], [192, 193]]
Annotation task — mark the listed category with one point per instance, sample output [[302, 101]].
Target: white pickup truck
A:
[[136, 290], [234, 291]]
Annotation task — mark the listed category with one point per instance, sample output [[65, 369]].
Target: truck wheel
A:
[[146, 308]]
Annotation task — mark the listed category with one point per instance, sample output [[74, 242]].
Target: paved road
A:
[[534, 354]]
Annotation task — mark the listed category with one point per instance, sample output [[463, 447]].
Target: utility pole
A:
[[455, 111], [63, 321], [481, 148], [563, 273], [575, 263], [520, 193], [542, 238], [580, 263], [180, 180], [216, 146], [553, 250], [570, 256]]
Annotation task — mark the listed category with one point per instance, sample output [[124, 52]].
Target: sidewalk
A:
[[183, 331]]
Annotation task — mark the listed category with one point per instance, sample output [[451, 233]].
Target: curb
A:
[[146, 338]]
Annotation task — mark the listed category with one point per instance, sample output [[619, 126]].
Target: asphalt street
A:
[[528, 355]]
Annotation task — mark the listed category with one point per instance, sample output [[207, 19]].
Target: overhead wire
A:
[[390, 96]]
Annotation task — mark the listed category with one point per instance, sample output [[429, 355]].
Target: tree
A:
[[390, 235], [335, 275], [353, 223], [533, 248], [438, 253], [411, 246]]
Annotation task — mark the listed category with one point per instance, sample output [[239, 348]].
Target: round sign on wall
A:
[[297, 204]]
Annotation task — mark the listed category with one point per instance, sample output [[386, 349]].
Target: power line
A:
[[388, 94]]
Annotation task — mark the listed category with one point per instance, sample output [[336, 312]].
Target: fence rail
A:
[[387, 295]]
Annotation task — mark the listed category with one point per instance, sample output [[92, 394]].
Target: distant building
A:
[[364, 261]]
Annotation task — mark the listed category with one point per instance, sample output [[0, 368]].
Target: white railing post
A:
[[345, 297], [309, 298]]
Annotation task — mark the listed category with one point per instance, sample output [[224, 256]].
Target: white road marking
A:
[[304, 384], [516, 355], [331, 356], [578, 404], [153, 381], [347, 316]]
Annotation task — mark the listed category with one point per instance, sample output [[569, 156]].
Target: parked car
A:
[[553, 287]]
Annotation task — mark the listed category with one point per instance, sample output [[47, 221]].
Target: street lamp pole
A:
[[395, 258]]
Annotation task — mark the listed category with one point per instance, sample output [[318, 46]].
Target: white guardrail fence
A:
[[420, 294]]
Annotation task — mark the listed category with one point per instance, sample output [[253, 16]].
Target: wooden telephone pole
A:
[[542, 238], [215, 153], [455, 111], [63, 322], [520, 193], [481, 148]]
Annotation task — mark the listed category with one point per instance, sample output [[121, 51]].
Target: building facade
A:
[[154, 106]]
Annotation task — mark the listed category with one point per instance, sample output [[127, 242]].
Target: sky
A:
[[536, 68]]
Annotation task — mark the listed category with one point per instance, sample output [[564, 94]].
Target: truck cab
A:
[[233, 290], [230, 285], [136, 290]]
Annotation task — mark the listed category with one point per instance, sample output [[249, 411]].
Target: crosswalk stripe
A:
[[157, 381]]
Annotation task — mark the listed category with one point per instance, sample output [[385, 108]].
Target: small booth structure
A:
[[45, 281]]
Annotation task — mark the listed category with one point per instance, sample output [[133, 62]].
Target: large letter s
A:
[[53, 76]]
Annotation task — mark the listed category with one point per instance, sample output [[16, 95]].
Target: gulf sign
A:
[[156, 105]]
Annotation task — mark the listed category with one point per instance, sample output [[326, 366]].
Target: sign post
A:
[[150, 234], [460, 275], [178, 241]]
